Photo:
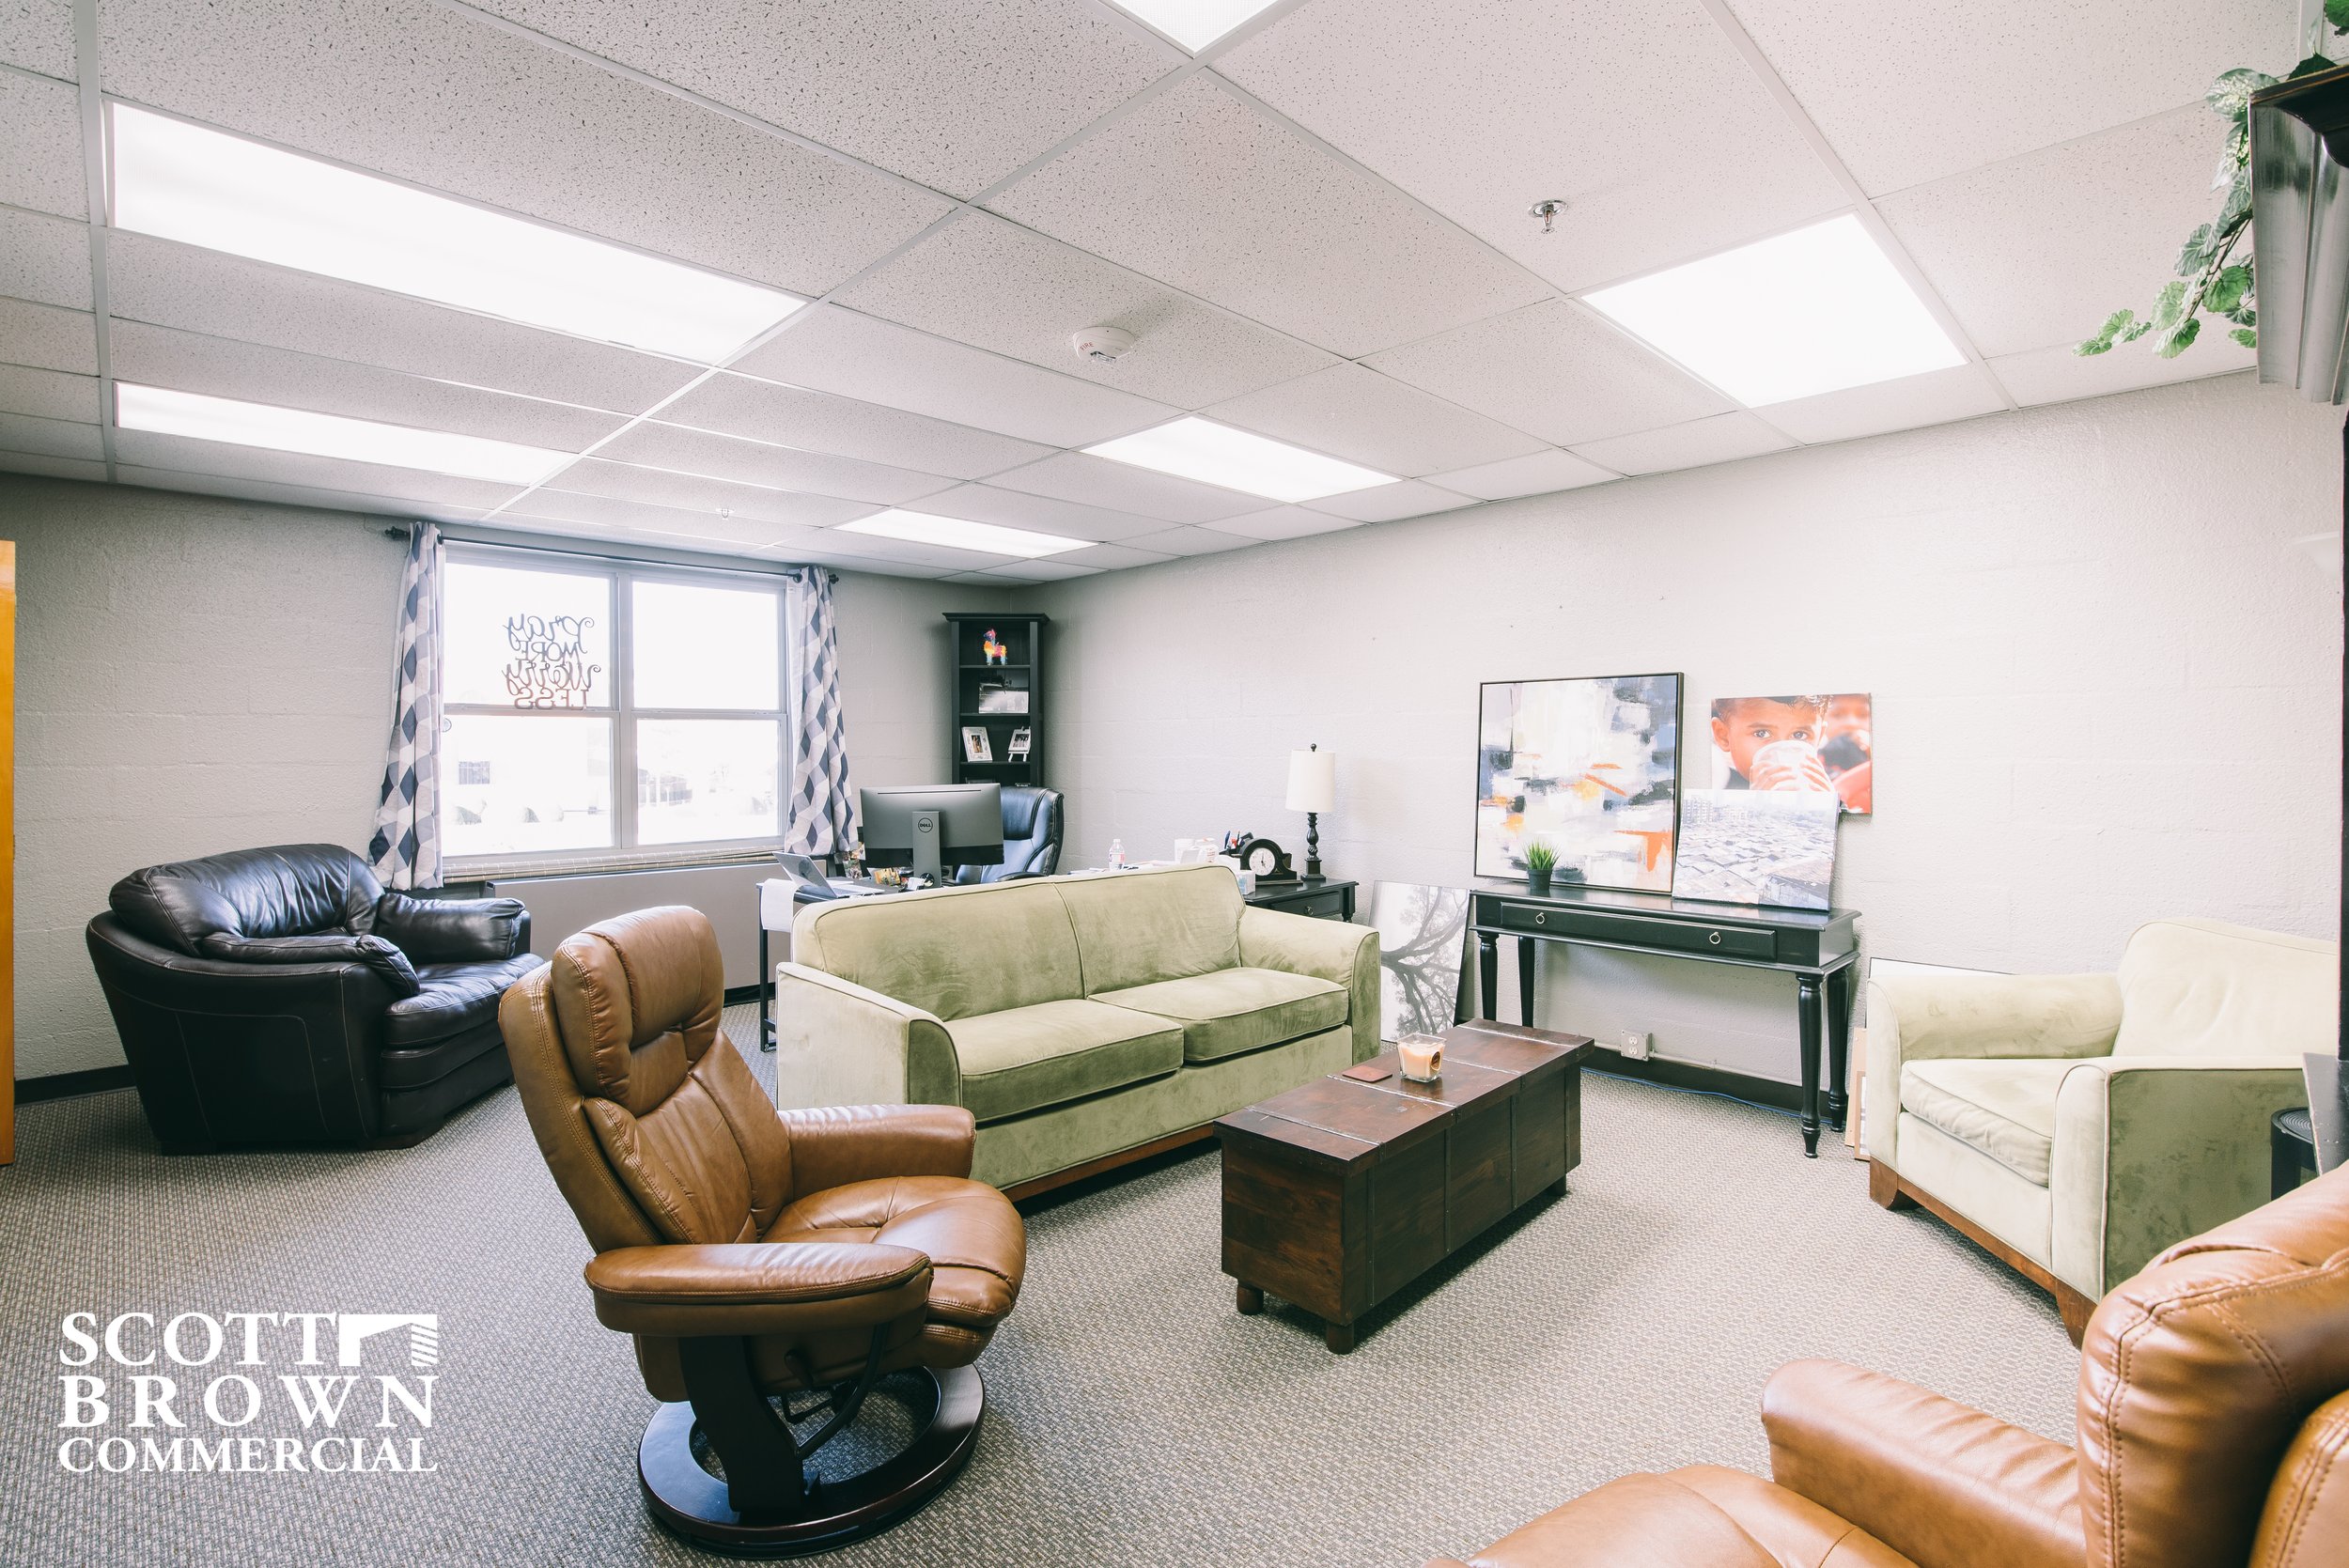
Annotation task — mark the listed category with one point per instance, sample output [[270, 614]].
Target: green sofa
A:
[[1078, 1018]]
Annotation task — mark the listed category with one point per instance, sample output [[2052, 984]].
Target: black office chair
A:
[[1032, 829]]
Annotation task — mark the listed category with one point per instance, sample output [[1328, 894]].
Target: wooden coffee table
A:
[[1340, 1193]]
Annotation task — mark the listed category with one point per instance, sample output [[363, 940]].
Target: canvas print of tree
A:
[[1422, 943], [1592, 766]]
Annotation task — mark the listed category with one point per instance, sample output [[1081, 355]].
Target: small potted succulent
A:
[[1540, 861]]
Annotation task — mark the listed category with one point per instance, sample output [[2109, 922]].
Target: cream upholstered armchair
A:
[[2077, 1125]]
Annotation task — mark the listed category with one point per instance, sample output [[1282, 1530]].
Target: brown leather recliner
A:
[[2212, 1430], [753, 1253]]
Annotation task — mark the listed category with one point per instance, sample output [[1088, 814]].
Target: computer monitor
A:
[[927, 828]]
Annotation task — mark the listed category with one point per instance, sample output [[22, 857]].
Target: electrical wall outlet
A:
[[1634, 1045]]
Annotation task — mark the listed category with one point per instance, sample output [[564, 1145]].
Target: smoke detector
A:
[[1102, 344]]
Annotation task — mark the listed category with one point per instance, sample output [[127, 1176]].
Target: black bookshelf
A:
[[1001, 699]]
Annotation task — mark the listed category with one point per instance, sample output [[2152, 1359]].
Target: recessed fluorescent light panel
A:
[[204, 187], [1195, 449], [1193, 23], [921, 528], [327, 435], [1818, 310]]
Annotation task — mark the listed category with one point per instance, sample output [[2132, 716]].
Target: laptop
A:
[[804, 870]]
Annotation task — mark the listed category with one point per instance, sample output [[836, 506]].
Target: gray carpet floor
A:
[[1133, 1416]]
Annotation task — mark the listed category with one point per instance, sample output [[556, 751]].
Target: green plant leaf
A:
[[2238, 203], [2245, 336], [2136, 331], [2169, 306], [2309, 67], [2180, 339], [2230, 94], [2244, 315], [2195, 252], [2228, 289], [2336, 12]]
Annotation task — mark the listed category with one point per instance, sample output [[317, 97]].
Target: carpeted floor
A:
[[1133, 1416]]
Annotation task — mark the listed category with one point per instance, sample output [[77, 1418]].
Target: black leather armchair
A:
[[1032, 829], [282, 996]]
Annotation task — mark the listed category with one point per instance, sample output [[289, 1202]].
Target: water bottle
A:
[[1117, 852]]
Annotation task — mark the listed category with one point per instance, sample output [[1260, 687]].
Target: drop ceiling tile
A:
[[1040, 513], [1553, 370], [2041, 249], [2056, 374], [1442, 98], [51, 438], [48, 338], [1353, 413], [41, 125], [37, 35], [1284, 522], [948, 92], [48, 394], [1117, 487], [53, 468], [45, 259], [190, 362], [708, 498], [1412, 498], [872, 546], [177, 285], [1193, 542], [185, 455], [1913, 92], [1112, 557], [820, 422], [240, 488], [419, 91], [1934, 397], [1200, 190], [839, 350], [652, 445], [1539, 475], [983, 281], [1722, 439], [1026, 574]]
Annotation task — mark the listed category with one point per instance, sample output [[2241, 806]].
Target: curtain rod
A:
[[579, 549]]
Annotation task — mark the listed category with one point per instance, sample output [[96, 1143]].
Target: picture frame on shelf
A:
[[1017, 749], [976, 747], [996, 697]]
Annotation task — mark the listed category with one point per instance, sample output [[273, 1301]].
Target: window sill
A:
[[499, 868]]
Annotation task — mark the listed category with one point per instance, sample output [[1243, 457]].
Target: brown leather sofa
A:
[[2213, 1429], [754, 1253]]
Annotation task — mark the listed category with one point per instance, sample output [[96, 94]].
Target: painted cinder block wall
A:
[[2106, 681], [199, 675]]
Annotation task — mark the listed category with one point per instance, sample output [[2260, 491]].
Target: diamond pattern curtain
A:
[[823, 805], [406, 848]]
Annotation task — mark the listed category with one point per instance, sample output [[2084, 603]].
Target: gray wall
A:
[[199, 675], [2106, 681]]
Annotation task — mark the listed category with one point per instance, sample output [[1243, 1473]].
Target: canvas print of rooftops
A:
[[1590, 766]]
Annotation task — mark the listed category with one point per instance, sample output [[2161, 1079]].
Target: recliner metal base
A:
[[828, 1515]]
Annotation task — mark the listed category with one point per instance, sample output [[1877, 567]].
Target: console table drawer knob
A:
[[1713, 937], [1541, 920]]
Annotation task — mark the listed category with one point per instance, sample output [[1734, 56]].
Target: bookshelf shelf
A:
[[1021, 634]]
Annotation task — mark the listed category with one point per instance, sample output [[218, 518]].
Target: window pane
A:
[[706, 779], [532, 639], [707, 647], [517, 786]]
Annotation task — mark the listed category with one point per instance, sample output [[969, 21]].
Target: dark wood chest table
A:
[[1340, 1193]]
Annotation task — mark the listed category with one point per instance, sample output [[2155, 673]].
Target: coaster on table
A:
[[1366, 1072]]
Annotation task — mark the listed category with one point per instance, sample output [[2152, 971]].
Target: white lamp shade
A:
[[1312, 781]]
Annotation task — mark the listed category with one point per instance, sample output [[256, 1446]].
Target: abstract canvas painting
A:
[[1591, 766], [1757, 847], [1822, 741], [1422, 945]]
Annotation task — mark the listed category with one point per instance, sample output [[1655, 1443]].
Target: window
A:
[[608, 712]]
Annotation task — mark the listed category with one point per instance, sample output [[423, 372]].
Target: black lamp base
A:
[[1313, 848]]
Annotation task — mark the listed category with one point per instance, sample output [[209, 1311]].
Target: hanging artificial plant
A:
[[2210, 277]]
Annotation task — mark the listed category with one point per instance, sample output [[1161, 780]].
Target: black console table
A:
[[1326, 899], [1818, 948]]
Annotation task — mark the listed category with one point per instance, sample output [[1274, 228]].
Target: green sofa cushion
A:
[[1023, 1058], [2003, 1105], [1237, 1009], [956, 952], [1140, 926]]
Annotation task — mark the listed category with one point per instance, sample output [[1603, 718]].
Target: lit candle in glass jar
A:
[[1422, 1056]]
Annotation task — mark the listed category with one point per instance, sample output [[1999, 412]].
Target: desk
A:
[[801, 897], [1323, 900], [1819, 948]]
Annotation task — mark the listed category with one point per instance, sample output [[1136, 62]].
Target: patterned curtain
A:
[[823, 806], [407, 845]]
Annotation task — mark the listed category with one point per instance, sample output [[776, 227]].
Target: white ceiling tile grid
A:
[[2056, 374], [41, 125], [37, 35], [186, 455], [1041, 514], [820, 422], [1961, 391], [1357, 413], [718, 498], [48, 394], [1480, 109], [953, 93], [243, 487], [1284, 522], [1112, 557], [1724, 437], [1200, 190], [53, 438], [839, 350], [1913, 92], [48, 338], [983, 280], [1538, 474], [417, 91], [1192, 541], [1117, 487], [44, 260], [1411, 498], [53, 468], [653, 445]]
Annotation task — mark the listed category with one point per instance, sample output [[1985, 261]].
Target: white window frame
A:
[[625, 853]]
